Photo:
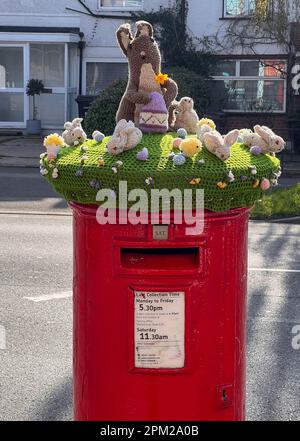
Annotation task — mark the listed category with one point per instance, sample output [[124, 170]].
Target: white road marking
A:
[[274, 320], [61, 295], [275, 270]]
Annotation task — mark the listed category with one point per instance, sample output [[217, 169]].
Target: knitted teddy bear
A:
[[126, 136], [74, 133], [145, 77], [186, 116]]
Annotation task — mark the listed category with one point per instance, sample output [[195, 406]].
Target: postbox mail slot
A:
[[160, 258]]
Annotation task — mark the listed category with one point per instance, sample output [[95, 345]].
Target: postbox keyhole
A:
[[225, 396]]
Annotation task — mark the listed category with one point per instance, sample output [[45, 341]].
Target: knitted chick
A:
[[190, 147]]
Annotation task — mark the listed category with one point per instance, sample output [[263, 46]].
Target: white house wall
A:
[[205, 19]]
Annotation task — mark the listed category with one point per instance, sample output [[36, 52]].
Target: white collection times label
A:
[[159, 329]]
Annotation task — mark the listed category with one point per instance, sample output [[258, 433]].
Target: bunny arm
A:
[[171, 91], [136, 97]]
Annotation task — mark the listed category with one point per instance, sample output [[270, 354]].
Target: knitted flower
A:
[[54, 140], [162, 78], [207, 122]]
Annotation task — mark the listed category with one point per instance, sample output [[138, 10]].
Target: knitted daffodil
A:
[[54, 140], [53, 144], [162, 78], [207, 122]]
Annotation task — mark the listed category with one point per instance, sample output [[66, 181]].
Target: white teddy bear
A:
[[126, 136], [186, 116], [74, 133]]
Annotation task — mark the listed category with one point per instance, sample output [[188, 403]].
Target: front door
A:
[[12, 86]]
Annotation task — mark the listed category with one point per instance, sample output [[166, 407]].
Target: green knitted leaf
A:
[[164, 174]]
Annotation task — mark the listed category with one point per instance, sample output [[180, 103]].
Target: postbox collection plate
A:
[[159, 330]]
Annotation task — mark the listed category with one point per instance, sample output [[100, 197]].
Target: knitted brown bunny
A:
[[141, 50]]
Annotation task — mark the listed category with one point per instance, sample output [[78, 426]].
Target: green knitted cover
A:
[[80, 182]]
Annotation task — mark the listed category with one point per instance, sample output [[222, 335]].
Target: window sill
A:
[[118, 9], [237, 17], [254, 112]]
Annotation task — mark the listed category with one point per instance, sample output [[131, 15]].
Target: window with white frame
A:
[[238, 8], [121, 4], [251, 85], [100, 75]]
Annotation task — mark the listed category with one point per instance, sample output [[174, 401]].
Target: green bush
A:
[[191, 84], [281, 202], [102, 113]]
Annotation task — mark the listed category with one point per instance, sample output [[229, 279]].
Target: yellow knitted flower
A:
[[222, 185], [207, 122], [195, 181], [162, 78], [54, 139]]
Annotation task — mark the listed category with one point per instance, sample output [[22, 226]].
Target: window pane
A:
[[122, 3], [254, 95], [239, 7], [101, 75], [47, 63], [51, 109], [225, 68], [264, 68], [11, 67], [12, 106]]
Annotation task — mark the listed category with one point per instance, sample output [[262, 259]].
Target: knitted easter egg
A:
[[143, 155], [154, 115], [179, 160], [265, 184], [255, 150], [182, 133], [176, 143], [190, 147], [98, 136]]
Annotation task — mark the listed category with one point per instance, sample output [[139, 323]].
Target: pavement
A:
[[20, 151], [25, 190]]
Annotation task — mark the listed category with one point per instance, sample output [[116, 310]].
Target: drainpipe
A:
[[81, 46]]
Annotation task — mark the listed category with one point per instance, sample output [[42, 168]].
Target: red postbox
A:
[[159, 319]]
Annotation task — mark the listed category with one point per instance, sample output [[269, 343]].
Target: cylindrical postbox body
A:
[[159, 319]]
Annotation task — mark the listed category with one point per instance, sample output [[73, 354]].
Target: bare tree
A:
[[273, 22]]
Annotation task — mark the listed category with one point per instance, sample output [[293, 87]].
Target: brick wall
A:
[[277, 122]]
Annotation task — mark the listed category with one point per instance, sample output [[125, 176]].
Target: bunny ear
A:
[[77, 122], [212, 138], [144, 28], [263, 133], [231, 137], [124, 37], [68, 125]]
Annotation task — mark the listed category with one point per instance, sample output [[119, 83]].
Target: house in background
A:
[[71, 46], [44, 40]]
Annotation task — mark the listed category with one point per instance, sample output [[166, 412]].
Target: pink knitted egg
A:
[[176, 143], [265, 184]]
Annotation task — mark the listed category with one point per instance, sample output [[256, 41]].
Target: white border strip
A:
[[61, 295], [275, 270]]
